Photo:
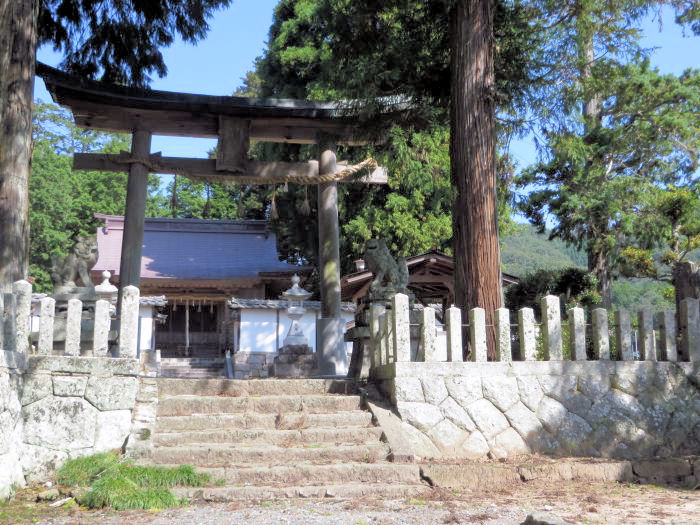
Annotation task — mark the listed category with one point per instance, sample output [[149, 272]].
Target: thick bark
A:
[[17, 63], [473, 167], [686, 281], [599, 266], [598, 263]]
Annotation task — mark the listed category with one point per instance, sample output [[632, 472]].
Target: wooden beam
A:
[[304, 130], [234, 141], [258, 172]]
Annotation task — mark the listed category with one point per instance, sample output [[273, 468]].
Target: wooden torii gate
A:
[[235, 121]]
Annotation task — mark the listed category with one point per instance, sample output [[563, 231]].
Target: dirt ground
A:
[[563, 502]]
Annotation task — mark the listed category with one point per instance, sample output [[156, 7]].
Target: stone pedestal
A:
[[294, 361]]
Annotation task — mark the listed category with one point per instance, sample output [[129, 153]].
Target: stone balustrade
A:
[[555, 388], [656, 337], [15, 318]]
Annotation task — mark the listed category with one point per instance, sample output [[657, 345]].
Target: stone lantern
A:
[[296, 296], [295, 358]]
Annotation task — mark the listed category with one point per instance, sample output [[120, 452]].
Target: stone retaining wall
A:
[[252, 365], [53, 408], [617, 409], [11, 365]]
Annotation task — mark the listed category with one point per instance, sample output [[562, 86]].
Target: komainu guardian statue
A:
[[390, 275], [66, 270]]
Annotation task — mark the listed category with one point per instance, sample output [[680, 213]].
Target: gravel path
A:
[[570, 502]]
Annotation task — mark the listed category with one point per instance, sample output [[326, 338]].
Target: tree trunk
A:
[[597, 261], [686, 281], [598, 265], [18, 28], [473, 167]]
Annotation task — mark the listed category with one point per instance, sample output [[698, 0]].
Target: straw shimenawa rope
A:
[[350, 172]]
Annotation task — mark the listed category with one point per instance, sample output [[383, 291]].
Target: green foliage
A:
[[81, 472], [119, 484], [120, 40], [575, 286], [524, 251], [635, 294], [64, 201], [413, 212], [595, 181]]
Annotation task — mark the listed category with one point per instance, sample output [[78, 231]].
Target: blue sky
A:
[[216, 65]]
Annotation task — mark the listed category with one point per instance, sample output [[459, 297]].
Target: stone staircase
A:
[[193, 367], [277, 438]]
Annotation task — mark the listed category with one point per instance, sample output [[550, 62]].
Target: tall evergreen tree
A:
[[117, 40], [596, 78]]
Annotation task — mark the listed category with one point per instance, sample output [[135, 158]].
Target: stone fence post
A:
[[623, 336], [129, 322], [100, 347], [427, 335], [9, 325], [375, 312], [646, 339], [503, 350], [667, 329], [401, 327], [601, 334], [577, 333], [477, 334], [526, 330], [690, 329], [551, 325], [389, 337], [453, 322], [46, 321], [73, 321], [22, 290]]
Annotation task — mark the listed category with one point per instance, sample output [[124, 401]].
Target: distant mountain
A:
[[526, 251]]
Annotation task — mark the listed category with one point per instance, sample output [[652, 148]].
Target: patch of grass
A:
[[81, 472], [120, 484]]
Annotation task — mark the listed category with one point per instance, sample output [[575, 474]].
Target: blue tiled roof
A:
[[195, 249]]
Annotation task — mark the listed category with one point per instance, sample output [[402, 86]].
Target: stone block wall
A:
[[617, 409], [53, 408], [11, 365], [251, 365]]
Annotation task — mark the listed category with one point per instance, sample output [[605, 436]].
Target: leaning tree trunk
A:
[[18, 28], [598, 265], [473, 166], [686, 281]]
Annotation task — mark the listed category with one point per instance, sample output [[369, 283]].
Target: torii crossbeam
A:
[[235, 121]]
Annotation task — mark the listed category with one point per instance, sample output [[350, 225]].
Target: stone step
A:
[[255, 387], [317, 474], [191, 373], [379, 491], [218, 455], [315, 404], [213, 361], [295, 420], [282, 438]]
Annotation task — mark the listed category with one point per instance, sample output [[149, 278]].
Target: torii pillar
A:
[[135, 213], [330, 351]]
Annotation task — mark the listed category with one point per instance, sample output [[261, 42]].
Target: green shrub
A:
[[118, 483]]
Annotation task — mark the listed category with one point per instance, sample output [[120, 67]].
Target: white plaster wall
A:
[[146, 332], [260, 331]]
